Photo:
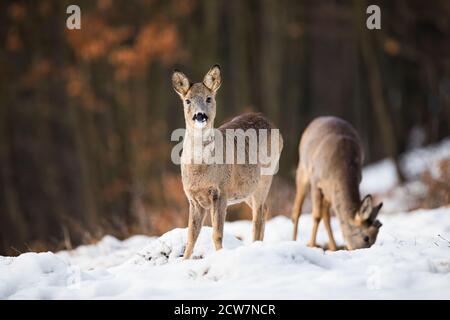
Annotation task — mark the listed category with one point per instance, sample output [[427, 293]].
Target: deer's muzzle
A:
[[200, 117]]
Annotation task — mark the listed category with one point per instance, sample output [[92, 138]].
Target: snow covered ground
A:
[[380, 178], [410, 260]]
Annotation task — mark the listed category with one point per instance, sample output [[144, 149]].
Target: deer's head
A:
[[198, 98], [362, 230]]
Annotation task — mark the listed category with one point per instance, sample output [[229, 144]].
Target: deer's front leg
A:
[[326, 221], [218, 215], [196, 216]]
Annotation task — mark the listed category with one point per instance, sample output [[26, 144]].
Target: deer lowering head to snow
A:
[[213, 186], [330, 164]]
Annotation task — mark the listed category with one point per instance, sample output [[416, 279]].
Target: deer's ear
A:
[[180, 83], [366, 207], [375, 211], [365, 210], [212, 79]]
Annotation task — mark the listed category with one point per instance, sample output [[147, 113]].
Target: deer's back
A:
[[330, 148], [248, 121]]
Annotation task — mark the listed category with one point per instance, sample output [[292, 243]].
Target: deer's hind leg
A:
[[302, 184], [316, 197], [259, 208], [327, 223]]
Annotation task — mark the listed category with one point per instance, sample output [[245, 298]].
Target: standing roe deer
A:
[[330, 163], [215, 186]]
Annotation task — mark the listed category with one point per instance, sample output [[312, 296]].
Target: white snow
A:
[[380, 177], [410, 260]]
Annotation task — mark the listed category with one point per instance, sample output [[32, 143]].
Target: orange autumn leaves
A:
[[128, 49]]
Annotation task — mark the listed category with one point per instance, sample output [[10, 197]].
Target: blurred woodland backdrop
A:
[[86, 115]]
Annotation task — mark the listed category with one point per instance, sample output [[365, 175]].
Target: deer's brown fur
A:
[[212, 187], [330, 164]]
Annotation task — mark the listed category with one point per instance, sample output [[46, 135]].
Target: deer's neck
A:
[[203, 136], [346, 198], [190, 130], [197, 144]]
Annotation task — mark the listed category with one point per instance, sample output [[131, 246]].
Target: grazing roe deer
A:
[[215, 186], [330, 164]]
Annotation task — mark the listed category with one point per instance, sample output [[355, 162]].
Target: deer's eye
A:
[[366, 238], [188, 101], [208, 100]]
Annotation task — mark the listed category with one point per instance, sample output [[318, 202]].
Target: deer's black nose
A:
[[200, 117]]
